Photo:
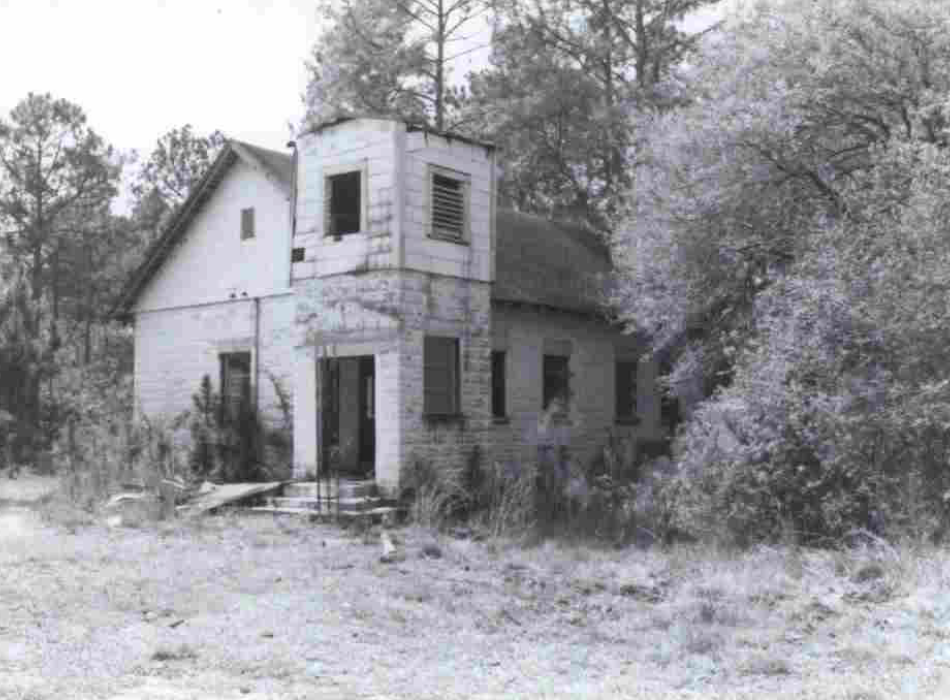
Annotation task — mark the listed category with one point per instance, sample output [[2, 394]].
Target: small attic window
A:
[[449, 204], [247, 223], [344, 203]]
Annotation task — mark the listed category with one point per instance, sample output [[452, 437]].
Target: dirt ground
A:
[[249, 607]]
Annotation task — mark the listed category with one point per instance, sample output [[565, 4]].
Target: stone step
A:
[[348, 489], [343, 504], [375, 514]]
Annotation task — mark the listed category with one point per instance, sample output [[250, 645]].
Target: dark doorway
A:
[[367, 427], [349, 415]]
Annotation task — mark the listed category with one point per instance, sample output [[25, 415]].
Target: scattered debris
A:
[[431, 551], [211, 496], [390, 554]]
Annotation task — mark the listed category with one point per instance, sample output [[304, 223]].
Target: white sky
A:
[[142, 67]]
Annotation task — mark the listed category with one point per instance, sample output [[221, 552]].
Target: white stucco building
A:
[[373, 274]]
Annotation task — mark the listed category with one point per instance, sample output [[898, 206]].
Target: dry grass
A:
[[234, 606]]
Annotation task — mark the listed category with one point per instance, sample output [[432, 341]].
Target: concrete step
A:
[[348, 489], [343, 504], [374, 514]]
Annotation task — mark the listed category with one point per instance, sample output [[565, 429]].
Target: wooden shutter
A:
[[440, 376], [247, 223], [625, 382], [448, 207], [498, 385]]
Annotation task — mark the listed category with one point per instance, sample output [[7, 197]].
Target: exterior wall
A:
[[212, 264], [367, 144], [594, 347], [348, 316], [175, 348], [471, 260], [388, 315]]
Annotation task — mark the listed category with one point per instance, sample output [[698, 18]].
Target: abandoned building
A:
[[373, 275]]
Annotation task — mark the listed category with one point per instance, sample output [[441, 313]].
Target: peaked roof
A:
[[548, 263], [277, 166], [539, 262]]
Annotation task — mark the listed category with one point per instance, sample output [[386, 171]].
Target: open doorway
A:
[[349, 415]]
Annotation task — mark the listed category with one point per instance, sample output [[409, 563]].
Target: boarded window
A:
[[498, 385], [448, 207], [345, 203], [247, 223], [441, 380], [556, 380], [235, 380], [625, 382]]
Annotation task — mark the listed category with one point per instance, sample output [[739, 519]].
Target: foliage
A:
[[226, 437], [567, 81], [178, 161], [56, 177], [388, 57], [787, 230]]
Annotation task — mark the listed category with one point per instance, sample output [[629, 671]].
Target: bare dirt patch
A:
[[245, 607]]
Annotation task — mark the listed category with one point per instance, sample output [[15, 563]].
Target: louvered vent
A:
[[448, 207]]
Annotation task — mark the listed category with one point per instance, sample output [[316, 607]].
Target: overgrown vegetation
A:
[[787, 241]]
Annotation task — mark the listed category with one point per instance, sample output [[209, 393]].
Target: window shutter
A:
[[498, 385], [247, 223], [626, 389], [448, 206], [440, 380]]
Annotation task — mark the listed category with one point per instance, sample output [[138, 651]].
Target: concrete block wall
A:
[[175, 348], [524, 334], [446, 306], [349, 316], [211, 263], [368, 145], [473, 258]]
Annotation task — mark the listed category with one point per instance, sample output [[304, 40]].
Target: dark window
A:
[[498, 408], [441, 376], [297, 255], [247, 223], [448, 207], [345, 195], [556, 379], [235, 380], [625, 382]]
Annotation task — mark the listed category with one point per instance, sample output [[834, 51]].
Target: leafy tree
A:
[[175, 165], [55, 174], [177, 162], [389, 57], [568, 80], [785, 238]]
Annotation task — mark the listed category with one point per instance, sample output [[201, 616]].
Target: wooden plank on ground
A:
[[227, 494]]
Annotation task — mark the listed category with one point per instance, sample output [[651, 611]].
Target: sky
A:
[[140, 68]]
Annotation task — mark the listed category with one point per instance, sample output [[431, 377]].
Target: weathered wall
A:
[[174, 348], [523, 334], [371, 146], [471, 259], [212, 263], [349, 316]]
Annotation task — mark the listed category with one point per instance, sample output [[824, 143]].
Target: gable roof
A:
[[539, 262], [548, 263], [275, 165]]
